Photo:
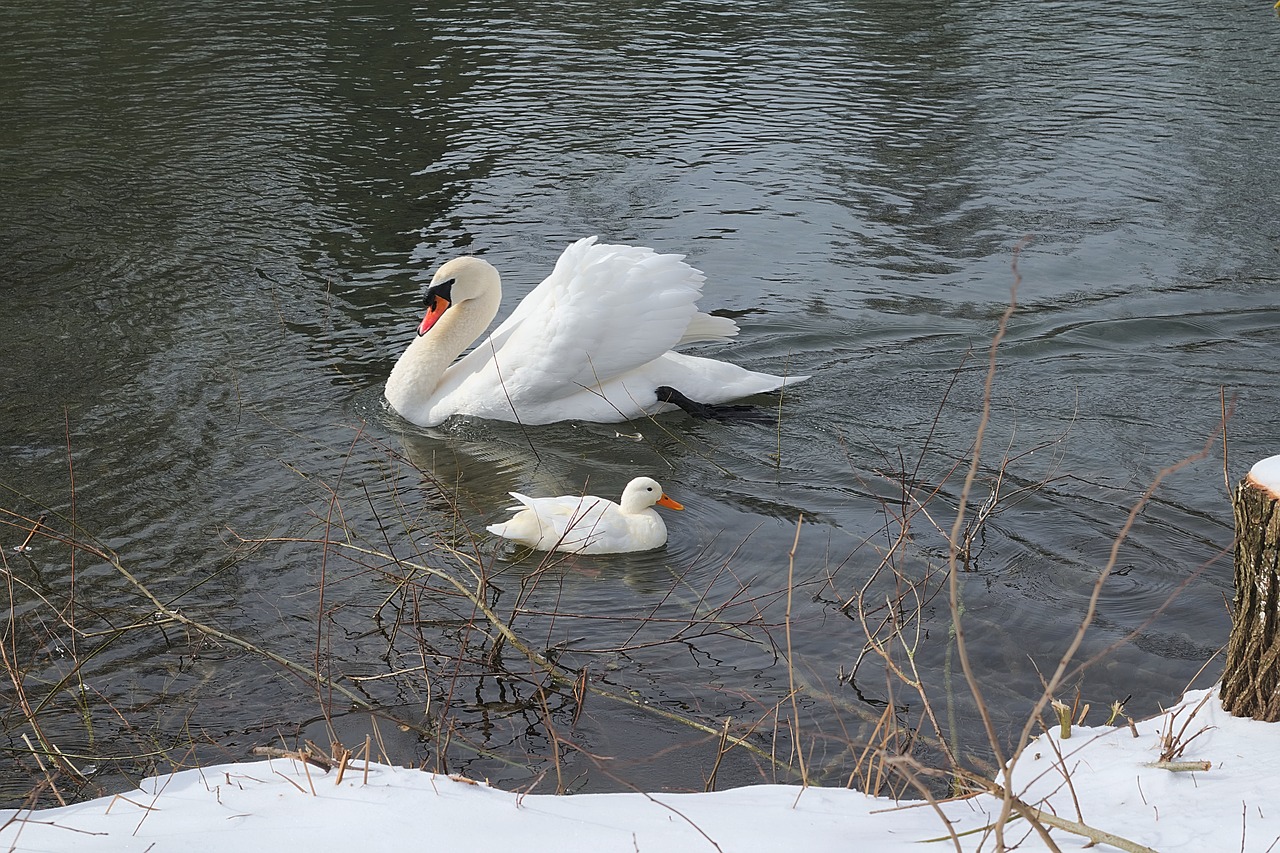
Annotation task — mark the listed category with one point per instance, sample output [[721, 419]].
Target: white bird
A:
[[592, 342], [590, 525]]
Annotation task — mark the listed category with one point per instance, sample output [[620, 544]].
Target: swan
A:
[[588, 524], [592, 342]]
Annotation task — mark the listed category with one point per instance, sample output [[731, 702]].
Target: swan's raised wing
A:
[[604, 311]]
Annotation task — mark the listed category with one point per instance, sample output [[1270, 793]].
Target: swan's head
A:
[[642, 493], [457, 282]]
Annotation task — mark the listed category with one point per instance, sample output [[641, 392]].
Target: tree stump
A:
[[1251, 679]]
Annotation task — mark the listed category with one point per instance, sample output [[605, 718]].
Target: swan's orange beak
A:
[[435, 310], [668, 503]]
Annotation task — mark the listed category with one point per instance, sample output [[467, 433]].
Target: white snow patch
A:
[[282, 805], [1266, 472]]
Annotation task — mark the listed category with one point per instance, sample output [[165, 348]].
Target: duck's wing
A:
[[604, 311], [569, 523]]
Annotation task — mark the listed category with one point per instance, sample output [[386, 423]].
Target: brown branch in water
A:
[[795, 708], [953, 574]]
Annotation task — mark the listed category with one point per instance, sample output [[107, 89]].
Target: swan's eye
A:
[[443, 290]]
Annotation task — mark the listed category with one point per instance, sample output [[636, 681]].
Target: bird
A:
[[587, 524], [592, 342]]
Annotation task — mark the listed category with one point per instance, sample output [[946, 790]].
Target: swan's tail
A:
[[704, 327]]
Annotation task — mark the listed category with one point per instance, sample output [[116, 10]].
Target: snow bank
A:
[[285, 805]]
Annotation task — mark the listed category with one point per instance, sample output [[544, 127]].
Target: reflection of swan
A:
[[592, 342], [588, 524]]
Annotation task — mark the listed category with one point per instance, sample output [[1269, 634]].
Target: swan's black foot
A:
[[707, 411]]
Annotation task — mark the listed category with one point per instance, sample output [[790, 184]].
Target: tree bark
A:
[[1251, 678]]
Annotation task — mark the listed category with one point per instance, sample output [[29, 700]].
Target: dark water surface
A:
[[214, 230]]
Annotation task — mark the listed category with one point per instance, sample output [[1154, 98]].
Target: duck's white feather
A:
[[588, 524], [592, 342]]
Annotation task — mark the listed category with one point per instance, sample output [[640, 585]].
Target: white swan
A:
[[588, 524], [592, 342]]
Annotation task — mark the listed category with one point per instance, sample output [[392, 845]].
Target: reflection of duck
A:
[[588, 524], [591, 342]]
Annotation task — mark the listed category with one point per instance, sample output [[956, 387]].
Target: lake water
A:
[[216, 226]]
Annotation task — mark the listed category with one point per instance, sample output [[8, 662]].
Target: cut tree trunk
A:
[[1251, 679]]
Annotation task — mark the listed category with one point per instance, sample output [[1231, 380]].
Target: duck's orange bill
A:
[[434, 312], [668, 503]]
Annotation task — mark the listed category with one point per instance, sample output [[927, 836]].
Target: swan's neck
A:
[[417, 374]]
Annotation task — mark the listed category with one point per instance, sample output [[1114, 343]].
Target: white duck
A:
[[592, 342], [588, 524]]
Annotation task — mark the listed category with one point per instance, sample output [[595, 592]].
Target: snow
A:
[[282, 804], [1266, 472]]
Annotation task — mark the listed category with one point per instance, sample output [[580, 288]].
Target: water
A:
[[216, 227]]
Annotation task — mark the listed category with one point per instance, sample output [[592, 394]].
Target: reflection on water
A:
[[216, 227]]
